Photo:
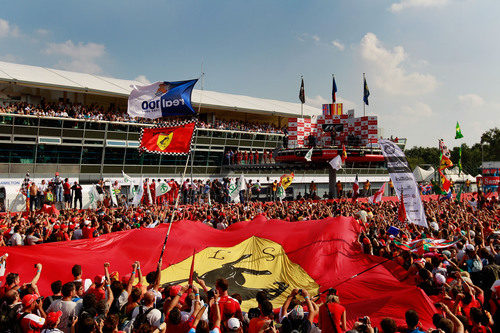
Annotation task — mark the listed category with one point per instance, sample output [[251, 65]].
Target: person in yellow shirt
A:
[[339, 189]]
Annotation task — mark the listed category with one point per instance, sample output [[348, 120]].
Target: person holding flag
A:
[[355, 189], [377, 197]]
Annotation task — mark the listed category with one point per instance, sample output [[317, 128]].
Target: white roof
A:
[[423, 175], [100, 85]]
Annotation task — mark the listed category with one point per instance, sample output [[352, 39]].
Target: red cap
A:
[[98, 279], [53, 317], [174, 290], [29, 299], [56, 226], [64, 226], [366, 241], [57, 173], [71, 226]]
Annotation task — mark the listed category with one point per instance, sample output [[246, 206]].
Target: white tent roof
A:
[[422, 175], [88, 83]]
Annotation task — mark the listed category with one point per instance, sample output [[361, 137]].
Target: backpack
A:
[[9, 321], [141, 317]]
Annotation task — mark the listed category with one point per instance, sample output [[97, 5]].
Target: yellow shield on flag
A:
[[164, 140], [250, 266]]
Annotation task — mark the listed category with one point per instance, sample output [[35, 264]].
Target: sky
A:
[[428, 63]]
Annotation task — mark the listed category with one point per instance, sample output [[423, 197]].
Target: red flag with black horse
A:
[[172, 140]]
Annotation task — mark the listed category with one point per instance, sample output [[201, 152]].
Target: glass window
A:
[[4, 153], [151, 159], [50, 122], [114, 155], [132, 157], [92, 155], [73, 124], [6, 120], [69, 154], [117, 127], [95, 125], [46, 154], [22, 153]]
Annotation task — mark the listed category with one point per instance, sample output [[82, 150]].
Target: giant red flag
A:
[[167, 140], [261, 254]]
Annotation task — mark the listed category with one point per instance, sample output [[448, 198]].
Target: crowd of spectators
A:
[[463, 278], [95, 112]]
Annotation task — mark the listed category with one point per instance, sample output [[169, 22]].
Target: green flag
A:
[[458, 198], [458, 133], [460, 161]]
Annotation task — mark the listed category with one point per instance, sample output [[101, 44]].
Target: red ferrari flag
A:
[[167, 140], [344, 154], [271, 255]]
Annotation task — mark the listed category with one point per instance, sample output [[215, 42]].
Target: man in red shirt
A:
[[229, 307], [330, 312], [98, 288], [67, 194], [88, 230], [29, 321]]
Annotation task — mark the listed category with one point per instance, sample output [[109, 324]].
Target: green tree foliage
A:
[[471, 156]]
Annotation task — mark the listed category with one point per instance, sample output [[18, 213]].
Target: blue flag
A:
[[366, 92], [334, 90], [162, 99]]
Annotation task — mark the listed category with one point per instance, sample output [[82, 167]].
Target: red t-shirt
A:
[[66, 188], [88, 232], [325, 323]]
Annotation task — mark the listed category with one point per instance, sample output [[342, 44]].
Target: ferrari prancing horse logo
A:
[[164, 140]]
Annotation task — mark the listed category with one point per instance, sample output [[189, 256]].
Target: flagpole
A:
[[364, 104], [175, 207], [333, 78]]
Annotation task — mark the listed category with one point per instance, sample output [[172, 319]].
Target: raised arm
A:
[[36, 277]]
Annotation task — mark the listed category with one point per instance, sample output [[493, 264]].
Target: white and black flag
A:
[[404, 180]]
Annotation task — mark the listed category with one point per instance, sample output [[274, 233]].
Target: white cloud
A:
[[142, 79], [315, 38], [79, 57], [7, 30], [471, 101], [389, 73], [42, 32], [338, 45], [418, 110], [9, 58], [403, 4]]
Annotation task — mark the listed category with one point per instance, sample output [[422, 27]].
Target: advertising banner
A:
[[403, 179], [162, 99]]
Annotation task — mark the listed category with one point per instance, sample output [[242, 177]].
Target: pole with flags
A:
[[366, 94], [302, 96], [334, 89]]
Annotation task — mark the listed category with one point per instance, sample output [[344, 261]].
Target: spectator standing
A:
[[77, 194]]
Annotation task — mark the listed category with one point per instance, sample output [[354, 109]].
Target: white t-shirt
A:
[[16, 239], [153, 317], [68, 309]]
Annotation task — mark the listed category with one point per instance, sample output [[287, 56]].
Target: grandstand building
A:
[[89, 150]]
